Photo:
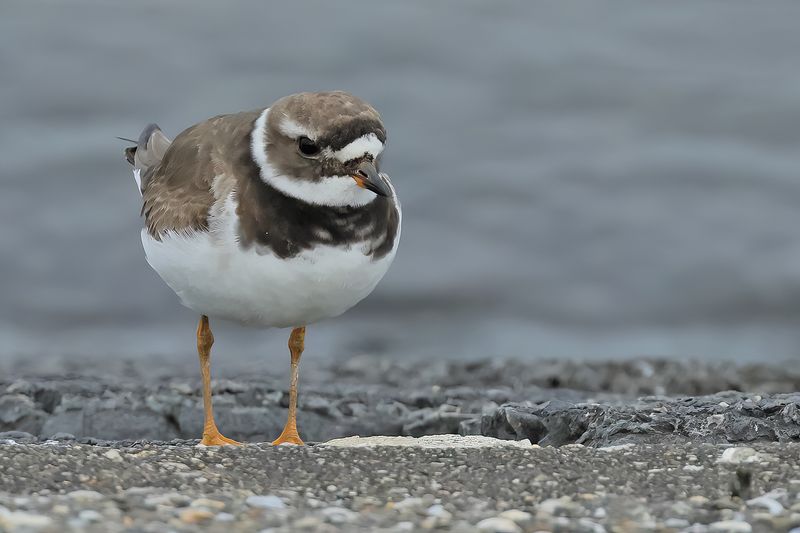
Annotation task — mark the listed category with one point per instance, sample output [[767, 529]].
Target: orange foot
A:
[[216, 438], [289, 436]]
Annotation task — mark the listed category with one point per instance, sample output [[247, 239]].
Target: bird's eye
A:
[[307, 147]]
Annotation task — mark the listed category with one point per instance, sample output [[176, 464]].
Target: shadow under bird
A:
[[278, 217]]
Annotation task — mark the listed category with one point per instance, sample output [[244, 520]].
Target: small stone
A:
[[438, 511], [265, 502], [403, 526], [113, 454], [90, 515], [224, 517], [516, 516], [563, 506], [693, 468], [498, 525], [730, 526], [408, 503], [195, 516], [310, 523], [23, 521], [738, 455], [770, 504], [438, 517], [676, 523], [208, 503], [338, 515], [85, 496]]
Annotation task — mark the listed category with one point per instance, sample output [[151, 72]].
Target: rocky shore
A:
[[552, 446], [549, 403]]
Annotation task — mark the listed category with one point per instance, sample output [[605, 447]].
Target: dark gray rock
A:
[[719, 418], [18, 436], [19, 413]]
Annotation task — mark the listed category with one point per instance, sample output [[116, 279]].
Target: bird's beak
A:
[[367, 177]]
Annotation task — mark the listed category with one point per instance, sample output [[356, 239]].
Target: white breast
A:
[[214, 276]]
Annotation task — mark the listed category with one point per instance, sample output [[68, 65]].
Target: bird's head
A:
[[322, 148]]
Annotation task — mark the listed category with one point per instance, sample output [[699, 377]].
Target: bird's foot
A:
[[215, 438], [289, 435]]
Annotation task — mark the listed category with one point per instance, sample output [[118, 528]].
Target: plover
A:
[[277, 217]]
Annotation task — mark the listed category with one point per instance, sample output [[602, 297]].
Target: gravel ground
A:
[[178, 486]]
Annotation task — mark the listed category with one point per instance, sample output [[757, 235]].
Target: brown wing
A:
[[178, 191]]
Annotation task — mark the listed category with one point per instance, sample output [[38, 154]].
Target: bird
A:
[[276, 218]]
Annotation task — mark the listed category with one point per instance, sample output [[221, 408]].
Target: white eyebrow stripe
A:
[[293, 130], [366, 144]]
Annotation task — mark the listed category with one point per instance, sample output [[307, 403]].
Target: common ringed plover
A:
[[278, 217]]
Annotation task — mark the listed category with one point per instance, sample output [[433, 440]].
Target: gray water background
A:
[[579, 179]]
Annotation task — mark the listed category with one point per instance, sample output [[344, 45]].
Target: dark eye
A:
[[307, 146]]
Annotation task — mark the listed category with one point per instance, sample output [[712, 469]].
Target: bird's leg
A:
[[289, 434], [205, 339]]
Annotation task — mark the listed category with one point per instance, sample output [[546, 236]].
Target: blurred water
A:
[[599, 179]]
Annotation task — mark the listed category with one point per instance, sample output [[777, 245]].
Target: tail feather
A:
[[148, 152]]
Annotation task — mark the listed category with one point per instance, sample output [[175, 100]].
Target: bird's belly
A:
[[219, 279]]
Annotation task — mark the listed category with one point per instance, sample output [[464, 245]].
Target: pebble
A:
[[23, 521], [498, 525], [113, 454], [265, 502], [338, 515], [770, 504], [730, 526], [208, 503], [563, 506], [85, 496], [516, 516], [676, 523], [738, 455], [195, 516], [90, 515]]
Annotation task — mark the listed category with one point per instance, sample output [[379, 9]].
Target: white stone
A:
[[498, 525], [516, 516], [85, 495], [265, 502], [18, 520], [431, 441], [113, 454], [90, 515], [770, 504], [730, 526], [741, 454]]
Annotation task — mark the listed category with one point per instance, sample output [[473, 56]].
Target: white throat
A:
[[336, 191]]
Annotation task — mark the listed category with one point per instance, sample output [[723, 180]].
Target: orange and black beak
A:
[[367, 177]]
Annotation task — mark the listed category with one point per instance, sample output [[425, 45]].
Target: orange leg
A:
[[205, 339], [289, 434]]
